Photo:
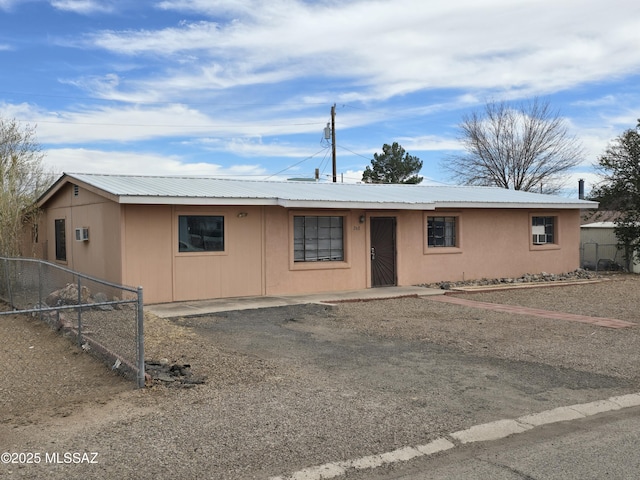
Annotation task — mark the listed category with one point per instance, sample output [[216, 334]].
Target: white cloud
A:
[[132, 123], [83, 7], [429, 143], [396, 47], [82, 160], [8, 4]]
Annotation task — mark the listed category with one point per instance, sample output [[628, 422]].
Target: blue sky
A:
[[244, 88]]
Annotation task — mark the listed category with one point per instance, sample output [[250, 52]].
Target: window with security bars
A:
[[318, 239], [441, 232], [543, 230]]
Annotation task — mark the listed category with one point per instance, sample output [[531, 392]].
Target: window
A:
[[318, 239], [201, 233], [441, 232], [61, 240], [543, 229]]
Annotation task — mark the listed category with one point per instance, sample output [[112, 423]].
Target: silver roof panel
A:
[[216, 191]]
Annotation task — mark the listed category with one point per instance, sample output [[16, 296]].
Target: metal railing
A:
[[104, 318], [602, 257]]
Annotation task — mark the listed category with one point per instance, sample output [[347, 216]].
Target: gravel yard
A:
[[298, 386]]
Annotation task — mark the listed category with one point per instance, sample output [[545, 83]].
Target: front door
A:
[[383, 251]]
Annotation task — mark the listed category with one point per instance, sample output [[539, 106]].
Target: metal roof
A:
[[215, 191], [599, 225]]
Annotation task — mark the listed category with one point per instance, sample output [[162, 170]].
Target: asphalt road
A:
[[604, 446]]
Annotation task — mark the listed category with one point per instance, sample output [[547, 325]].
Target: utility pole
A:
[[333, 141]]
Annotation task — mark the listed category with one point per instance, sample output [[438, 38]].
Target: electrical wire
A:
[[142, 102], [96, 124], [355, 153], [295, 164]]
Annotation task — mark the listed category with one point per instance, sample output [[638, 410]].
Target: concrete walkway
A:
[[205, 307]]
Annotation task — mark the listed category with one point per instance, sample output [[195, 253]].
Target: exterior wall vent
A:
[[76, 190], [82, 234]]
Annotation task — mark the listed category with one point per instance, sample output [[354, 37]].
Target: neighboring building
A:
[[599, 247], [199, 238]]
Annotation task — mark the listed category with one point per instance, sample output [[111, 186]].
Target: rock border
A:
[[528, 279]]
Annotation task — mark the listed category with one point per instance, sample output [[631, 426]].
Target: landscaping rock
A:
[[68, 296], [579, 274]]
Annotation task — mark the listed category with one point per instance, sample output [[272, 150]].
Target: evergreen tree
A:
[[393, 165]]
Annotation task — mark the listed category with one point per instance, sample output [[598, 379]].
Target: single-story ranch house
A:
[[199, 238]]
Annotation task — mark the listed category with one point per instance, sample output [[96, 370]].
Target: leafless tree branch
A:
[[527, 147]]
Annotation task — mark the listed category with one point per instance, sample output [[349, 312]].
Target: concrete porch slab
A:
[[205, 307]]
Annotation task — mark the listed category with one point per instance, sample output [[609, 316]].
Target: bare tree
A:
[[526, 147], [22, 179]]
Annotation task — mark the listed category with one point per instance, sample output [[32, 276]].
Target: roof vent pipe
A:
[[581, 189]]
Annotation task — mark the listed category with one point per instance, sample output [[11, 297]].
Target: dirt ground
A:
[[267, 402]]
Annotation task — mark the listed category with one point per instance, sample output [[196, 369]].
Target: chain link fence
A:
[[105, 319], [602, 257]]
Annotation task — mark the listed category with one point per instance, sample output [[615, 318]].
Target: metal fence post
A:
[[40, 286], [140, 339], [79, 313], [9, 289]]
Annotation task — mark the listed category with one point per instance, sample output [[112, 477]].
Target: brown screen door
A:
[[383, 251]]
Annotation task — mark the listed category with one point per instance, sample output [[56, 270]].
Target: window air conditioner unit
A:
[[539, 239], [82, 234]]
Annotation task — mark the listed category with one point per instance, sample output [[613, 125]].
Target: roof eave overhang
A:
[[311, 204], [156, 200], [355, 205], [529, 206], [342, 205], [65, 179]]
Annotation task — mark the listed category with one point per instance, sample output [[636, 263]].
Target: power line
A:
[[355, 153], [295, 164], [97, 124], [143, 102]]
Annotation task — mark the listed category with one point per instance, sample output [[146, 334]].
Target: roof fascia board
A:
[[326, 204], [52, 190], [156, 200], [532, 205], [69, 179], [152, 200]]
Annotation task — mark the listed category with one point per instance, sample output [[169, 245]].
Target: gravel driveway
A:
[[298, 386]]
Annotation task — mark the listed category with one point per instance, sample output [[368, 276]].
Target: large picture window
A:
[[318, 239], [543, 230], [441, 232], [61, 240], [201, 233]]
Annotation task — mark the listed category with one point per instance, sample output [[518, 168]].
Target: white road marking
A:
[[478, 433]]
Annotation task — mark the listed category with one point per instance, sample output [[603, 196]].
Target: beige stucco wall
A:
[[152, 259], [285, 276], [138, 245], [146, 246], [98, 257], [493, 244]]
